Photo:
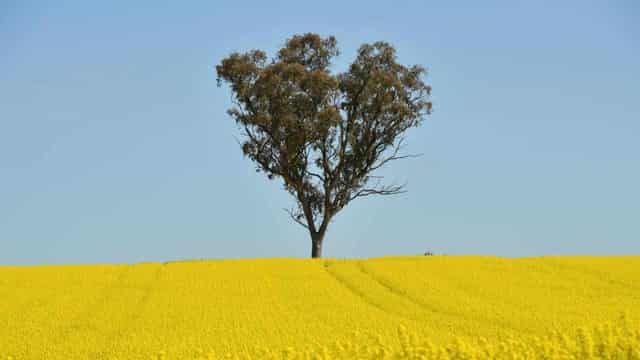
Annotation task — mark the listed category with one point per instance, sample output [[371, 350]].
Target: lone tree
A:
[[324, 134]]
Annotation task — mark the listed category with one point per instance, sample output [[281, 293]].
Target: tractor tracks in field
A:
[[41, 300], [422, 310], [361, 294], [114, 337], [426, 307], [422, 306], [55, 315], [403, 294], [91, 321], [73, 326], [148, 292]]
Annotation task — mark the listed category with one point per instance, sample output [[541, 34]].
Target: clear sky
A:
[[115, 145]]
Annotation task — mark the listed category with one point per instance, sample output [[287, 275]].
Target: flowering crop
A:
[[442, 307]]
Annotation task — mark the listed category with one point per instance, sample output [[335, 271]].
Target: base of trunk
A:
[[316, 249]]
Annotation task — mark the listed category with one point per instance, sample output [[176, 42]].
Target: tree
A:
[[324, 134]]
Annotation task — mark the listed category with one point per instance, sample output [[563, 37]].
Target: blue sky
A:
[[115, 145]]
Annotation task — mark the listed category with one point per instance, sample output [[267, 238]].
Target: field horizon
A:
[[164, 262]]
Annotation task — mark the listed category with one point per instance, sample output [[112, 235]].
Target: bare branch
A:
[[385, 190], [394, 157], [295, 217]]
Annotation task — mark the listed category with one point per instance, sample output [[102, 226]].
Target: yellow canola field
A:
[[420, 307]]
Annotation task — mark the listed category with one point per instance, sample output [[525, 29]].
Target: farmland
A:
[[208, 309]]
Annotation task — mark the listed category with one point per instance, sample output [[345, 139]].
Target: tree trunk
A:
[[316, 245]]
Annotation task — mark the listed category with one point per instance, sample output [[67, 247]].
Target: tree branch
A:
[[385, 190], [295, 217], [316, 175], [393, 156]]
